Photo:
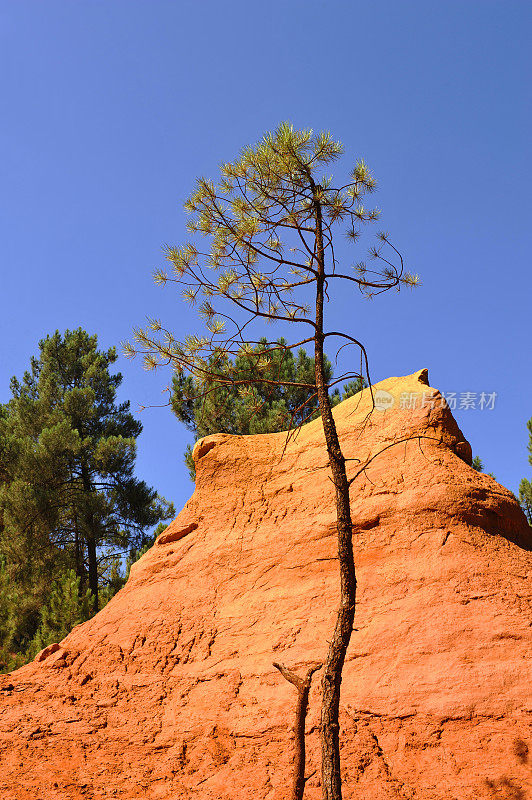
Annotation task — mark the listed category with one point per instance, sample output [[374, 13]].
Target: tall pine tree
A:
[[270, 221], [69, 497]]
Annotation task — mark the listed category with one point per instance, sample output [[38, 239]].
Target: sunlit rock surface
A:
[[169, 692]]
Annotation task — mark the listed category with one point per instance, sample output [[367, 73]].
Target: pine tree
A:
[[270, 220], [11, 613], [208, 407], [30, 555], [65, 607], [525, 487], [69, 498]]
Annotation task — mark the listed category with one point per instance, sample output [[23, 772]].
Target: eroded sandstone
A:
[[170, 691]]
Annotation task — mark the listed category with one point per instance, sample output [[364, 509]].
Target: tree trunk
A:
[[303, 688], [90, 538], [332, 675], [78, 554], [93, 570]]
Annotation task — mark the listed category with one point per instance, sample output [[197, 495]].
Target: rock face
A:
[[170, 692]]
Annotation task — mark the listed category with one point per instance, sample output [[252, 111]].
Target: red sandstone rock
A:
[[174, 533], [170, 691], [47, 651]]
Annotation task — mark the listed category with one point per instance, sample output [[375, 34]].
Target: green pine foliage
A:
[[13, 615], [262, 251], [525, 487], [69, 499], [66, 607], [273, 403], [478, 466], [525, 498]]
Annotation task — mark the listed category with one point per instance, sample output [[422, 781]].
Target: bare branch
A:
[[302, 684]]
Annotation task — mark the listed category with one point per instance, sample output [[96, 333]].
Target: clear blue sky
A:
[[111, 108]]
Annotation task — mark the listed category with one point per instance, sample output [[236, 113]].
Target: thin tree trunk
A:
[[332, 676], [93, 570], [91, 543], [303, 688], [80, 573]]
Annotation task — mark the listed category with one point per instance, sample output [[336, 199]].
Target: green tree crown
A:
[[278, 404], [69, 498], [525, 487]]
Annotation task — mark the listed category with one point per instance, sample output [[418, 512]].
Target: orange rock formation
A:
[[169, 692]]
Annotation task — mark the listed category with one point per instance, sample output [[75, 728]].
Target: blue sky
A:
[[111, 109]]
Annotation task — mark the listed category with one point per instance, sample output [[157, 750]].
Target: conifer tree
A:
[[270, 220], [69, 497], [65, 607], [29, 554], [525, 487], [11, 613], [270, 408]]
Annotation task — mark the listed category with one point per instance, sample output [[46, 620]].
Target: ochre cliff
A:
[[169, 692]]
